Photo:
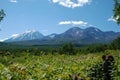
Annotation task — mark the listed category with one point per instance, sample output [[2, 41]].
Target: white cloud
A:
[[79, 23], [65, 22], [71, 4], [13, 1], [111, 19]]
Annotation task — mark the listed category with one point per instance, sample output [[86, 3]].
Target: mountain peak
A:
[[74, 30], [75, 35], [27, 35], [93, 29], [31, 31]]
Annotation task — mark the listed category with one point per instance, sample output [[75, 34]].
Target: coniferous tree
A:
[[115, 44], [2, 14], [68, 49], [117, 11]]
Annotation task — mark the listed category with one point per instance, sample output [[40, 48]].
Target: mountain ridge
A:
[[76, 35]]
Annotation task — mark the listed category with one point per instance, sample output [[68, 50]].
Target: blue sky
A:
[[55, 16]]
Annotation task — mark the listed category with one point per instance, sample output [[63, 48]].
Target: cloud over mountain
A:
[[71, 4], [78, 23]]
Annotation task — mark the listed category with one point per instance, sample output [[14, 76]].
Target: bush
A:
[[67, 49]]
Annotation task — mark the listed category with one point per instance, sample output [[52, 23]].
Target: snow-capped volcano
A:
[[27, 35]]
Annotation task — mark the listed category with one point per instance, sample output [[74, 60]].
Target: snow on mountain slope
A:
[[75, 35], [27, 35]]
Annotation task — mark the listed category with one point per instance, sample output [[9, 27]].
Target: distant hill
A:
[[76, 35]]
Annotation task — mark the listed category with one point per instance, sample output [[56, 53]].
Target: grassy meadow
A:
[[56, 66]]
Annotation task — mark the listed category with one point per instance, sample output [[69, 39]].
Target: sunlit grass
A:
[[53, 67]]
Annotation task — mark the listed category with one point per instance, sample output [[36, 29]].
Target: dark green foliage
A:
[[67, 49], [115, 44], [2, 14], [18, 50], [94, 48], [117, 11], [95, 72]]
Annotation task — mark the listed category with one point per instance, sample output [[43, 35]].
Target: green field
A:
[[56, 66]]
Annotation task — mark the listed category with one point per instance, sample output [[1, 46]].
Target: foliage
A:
[[2, 14], [95, 48], [117, 11], [55, 67], [47, 63], [96, 71], [115, 44], [67, 49]]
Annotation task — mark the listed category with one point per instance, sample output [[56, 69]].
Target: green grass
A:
[[54, 67]]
